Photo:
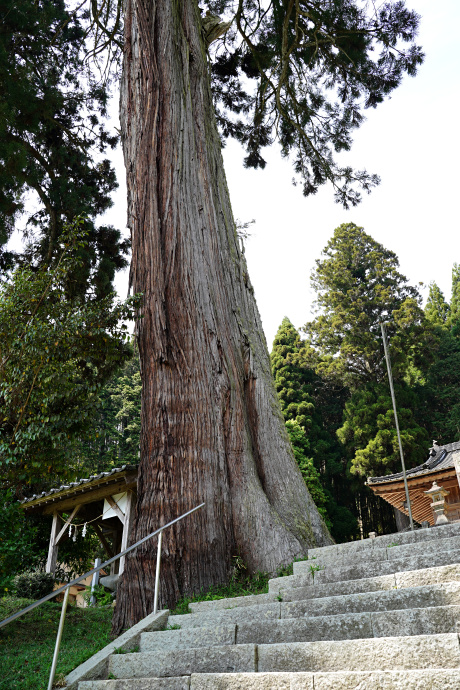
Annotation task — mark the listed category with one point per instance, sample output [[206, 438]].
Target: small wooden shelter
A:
[[442, 467], [105, 501]]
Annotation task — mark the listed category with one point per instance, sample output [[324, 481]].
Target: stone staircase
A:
[[376, 614]]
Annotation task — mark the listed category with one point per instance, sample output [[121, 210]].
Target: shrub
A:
[[102, 596], [33, 584]]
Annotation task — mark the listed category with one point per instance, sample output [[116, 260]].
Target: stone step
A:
[[180, 662], [263, 613], [441, 594], [375, 654], [395, 551], [297, 591], [233, 602], [444, 594], [353, 626], [370, 622], [440, 679], [362, 545], [209, 636], [294, 587], [336, 573]]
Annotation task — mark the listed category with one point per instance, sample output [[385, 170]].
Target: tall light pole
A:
[[390, 378]]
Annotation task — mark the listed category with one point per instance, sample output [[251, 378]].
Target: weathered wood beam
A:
[[53, 548], [66, 525], [113, 504], [48, 504], [129, 514], [88, 497]]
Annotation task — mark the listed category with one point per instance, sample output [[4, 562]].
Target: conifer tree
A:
[[368, 432], [52, 141], [437, 310], [454, 314], [305, 404], [442, 390], [358, 285]]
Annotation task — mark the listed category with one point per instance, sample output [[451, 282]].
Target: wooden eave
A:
[[84, 493], [393, 492]]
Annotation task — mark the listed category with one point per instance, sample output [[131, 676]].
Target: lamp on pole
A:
[[390, 378]]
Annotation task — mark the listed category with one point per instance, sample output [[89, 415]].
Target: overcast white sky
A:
[[411, 141]]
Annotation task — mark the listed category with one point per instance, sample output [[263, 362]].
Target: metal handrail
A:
[[65, 588]]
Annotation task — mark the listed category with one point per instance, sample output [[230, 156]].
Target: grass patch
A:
[[27, 644], [239, 586]]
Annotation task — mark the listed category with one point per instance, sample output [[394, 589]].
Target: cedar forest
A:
[[68, 356]]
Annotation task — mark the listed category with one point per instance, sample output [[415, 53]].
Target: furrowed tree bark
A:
[[212, 429]]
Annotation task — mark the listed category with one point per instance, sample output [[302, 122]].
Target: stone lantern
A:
[[437, 495]]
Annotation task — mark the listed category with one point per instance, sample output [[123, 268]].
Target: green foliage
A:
[[56, 353], [436, 308], [358, 286], [309, 472], [241, 584], [102, 596], [312, 411], [116, 423], [19, 549], [33, 584], [442, 404], [294, 379], [313, 68], [51, 132], [454, 314], [369, 433], [33, 637]]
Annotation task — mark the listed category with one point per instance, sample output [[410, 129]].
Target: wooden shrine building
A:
[[440, 471], [104, 501]]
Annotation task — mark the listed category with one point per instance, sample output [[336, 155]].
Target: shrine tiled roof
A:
[[441, 458], [86, 483]]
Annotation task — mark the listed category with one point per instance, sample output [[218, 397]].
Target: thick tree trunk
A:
[[211, 425]]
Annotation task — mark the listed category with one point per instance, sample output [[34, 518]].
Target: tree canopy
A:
[[56, 353], [358, 285], [436, 308], [52, 141], [309, 405], [303, 73]]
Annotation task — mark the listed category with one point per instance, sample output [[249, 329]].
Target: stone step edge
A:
[[443, 647], [414, 623], [385, 553], [222, 612], [272, 595], [316, 566], [440, 679], [360, 546], [312, 619], [400, 576]]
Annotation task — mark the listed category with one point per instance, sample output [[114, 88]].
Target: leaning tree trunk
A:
[[212, 429]]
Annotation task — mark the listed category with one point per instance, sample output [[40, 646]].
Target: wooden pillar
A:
[[53, 547], [56, 536], [129, 514]]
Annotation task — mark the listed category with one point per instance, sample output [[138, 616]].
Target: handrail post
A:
[[95, 581], [157, 572], [58, 638]]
